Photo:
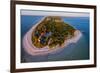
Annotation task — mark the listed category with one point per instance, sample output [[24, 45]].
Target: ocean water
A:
[[76, 51]]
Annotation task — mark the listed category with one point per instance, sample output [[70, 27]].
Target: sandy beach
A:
[[32, 50]]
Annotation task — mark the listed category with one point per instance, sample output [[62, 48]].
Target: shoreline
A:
[[32, 50]]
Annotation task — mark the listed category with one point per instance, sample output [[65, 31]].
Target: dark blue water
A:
[[77, 51]]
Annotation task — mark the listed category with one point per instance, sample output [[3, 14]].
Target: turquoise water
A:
[[76, 51]]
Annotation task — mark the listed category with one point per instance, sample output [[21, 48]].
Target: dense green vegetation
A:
[[51, 31]]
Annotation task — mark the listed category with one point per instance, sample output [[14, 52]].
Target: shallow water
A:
[[76, 51]]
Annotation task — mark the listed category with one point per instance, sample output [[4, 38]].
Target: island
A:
[[50, 35]]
